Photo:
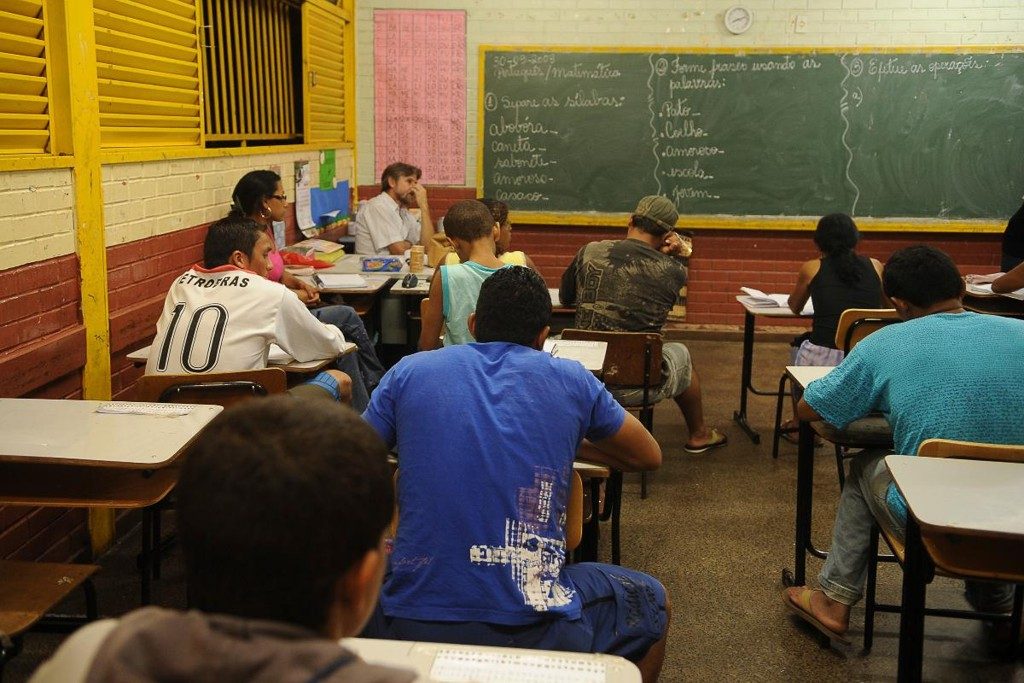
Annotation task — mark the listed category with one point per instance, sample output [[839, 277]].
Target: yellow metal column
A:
[[72, 28]]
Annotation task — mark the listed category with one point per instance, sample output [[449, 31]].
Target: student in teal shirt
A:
[[454, 289], [942, 373]]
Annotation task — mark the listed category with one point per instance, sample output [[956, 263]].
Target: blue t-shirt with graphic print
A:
[[945, 375], [486, 434]]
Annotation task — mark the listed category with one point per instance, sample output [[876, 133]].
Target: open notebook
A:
[[986, 290], [758, 299]]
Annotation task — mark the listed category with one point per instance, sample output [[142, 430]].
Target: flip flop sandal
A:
[[803, 610], [717, 439]]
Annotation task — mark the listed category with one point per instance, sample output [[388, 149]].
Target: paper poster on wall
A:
[[303, 214], [327, 169], [420, 92]]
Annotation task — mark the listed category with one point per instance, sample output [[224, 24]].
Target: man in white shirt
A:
[[223, 315], [383, 225]]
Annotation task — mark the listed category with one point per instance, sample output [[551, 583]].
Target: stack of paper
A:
[[758, 299]]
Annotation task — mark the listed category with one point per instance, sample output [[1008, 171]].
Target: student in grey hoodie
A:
[[282, 508]]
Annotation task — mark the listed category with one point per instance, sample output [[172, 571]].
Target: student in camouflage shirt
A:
[[630, 285]]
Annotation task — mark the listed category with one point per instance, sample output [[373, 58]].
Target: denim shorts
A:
[[624, 614]]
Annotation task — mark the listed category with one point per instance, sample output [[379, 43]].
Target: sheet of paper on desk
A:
[[590, 353], [466, 665], [342, 280], [164, 409], [759, 299], [986, 290]]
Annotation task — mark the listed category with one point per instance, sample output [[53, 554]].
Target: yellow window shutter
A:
[[24, 103], [323, 54], [147, 54]]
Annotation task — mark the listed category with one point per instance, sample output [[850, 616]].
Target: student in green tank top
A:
[[455, 288]]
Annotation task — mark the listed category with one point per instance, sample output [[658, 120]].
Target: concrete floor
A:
[[717, 530]]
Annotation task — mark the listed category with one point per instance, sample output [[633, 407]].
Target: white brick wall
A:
[[37, 218], [679, 23], [152, 198], [140, 200]]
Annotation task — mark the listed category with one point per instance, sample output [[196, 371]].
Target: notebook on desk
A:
[[758, 299], [464, 663], [986, 290]]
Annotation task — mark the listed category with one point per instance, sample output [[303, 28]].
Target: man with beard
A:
[[383, 225]]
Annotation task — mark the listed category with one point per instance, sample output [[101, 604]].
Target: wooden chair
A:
[[632, 361], [872, 431], [28, 590], [215, 388], [959, 559]]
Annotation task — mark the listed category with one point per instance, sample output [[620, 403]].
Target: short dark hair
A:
[[921, 275], [251, 190], [468, 220], [645, 224], [514, 306], [277, 500], [228, 235], [498, 209], [397, 170]]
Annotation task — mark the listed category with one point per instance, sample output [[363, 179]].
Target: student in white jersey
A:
[[223, 315]]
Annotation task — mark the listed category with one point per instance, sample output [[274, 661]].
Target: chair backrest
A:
[[219, 388], [857, 323], [949, 448], [633, 359]]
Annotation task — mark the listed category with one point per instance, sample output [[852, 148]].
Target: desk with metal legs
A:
[[964, 518], [746, 375], [801, 376], [63, 453]]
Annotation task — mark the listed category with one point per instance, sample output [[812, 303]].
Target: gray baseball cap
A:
[[659, 209]]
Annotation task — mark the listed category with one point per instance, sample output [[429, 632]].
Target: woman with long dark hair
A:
[[839, 279]]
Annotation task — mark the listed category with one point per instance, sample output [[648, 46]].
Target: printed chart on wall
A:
[[755, 139], [419, 77]]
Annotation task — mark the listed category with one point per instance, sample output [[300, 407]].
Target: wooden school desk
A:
[[967, 509], [561, 316], [62, 453], [746, 381], [801, 377], [447, 662]]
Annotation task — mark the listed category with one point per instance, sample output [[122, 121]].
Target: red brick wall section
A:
[[42, 350]]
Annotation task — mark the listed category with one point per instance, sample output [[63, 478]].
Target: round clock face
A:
[[738, 19]]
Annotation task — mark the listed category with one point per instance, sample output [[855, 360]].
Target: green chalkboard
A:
[[883, 134]]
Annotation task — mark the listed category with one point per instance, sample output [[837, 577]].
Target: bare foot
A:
[[835, 616]]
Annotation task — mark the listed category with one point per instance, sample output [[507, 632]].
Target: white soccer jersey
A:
[[225, 319]]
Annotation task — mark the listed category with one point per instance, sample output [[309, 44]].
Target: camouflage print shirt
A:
[[622, 286]]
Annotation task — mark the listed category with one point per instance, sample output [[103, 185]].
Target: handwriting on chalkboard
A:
[[768, 134]]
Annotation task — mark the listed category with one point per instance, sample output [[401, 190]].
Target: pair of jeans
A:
[[363, 367], [863, 500]]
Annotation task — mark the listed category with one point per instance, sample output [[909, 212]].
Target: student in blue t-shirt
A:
[[486, 434], [924, 375], [453, 291]]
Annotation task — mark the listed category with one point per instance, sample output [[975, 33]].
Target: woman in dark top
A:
[[840, 279], [1013, 242]]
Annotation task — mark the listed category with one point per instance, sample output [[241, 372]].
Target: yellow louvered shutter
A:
[[324, 51], [24, 105], [147, 55]]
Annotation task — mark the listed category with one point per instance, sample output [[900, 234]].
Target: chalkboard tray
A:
[[900, 139]]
